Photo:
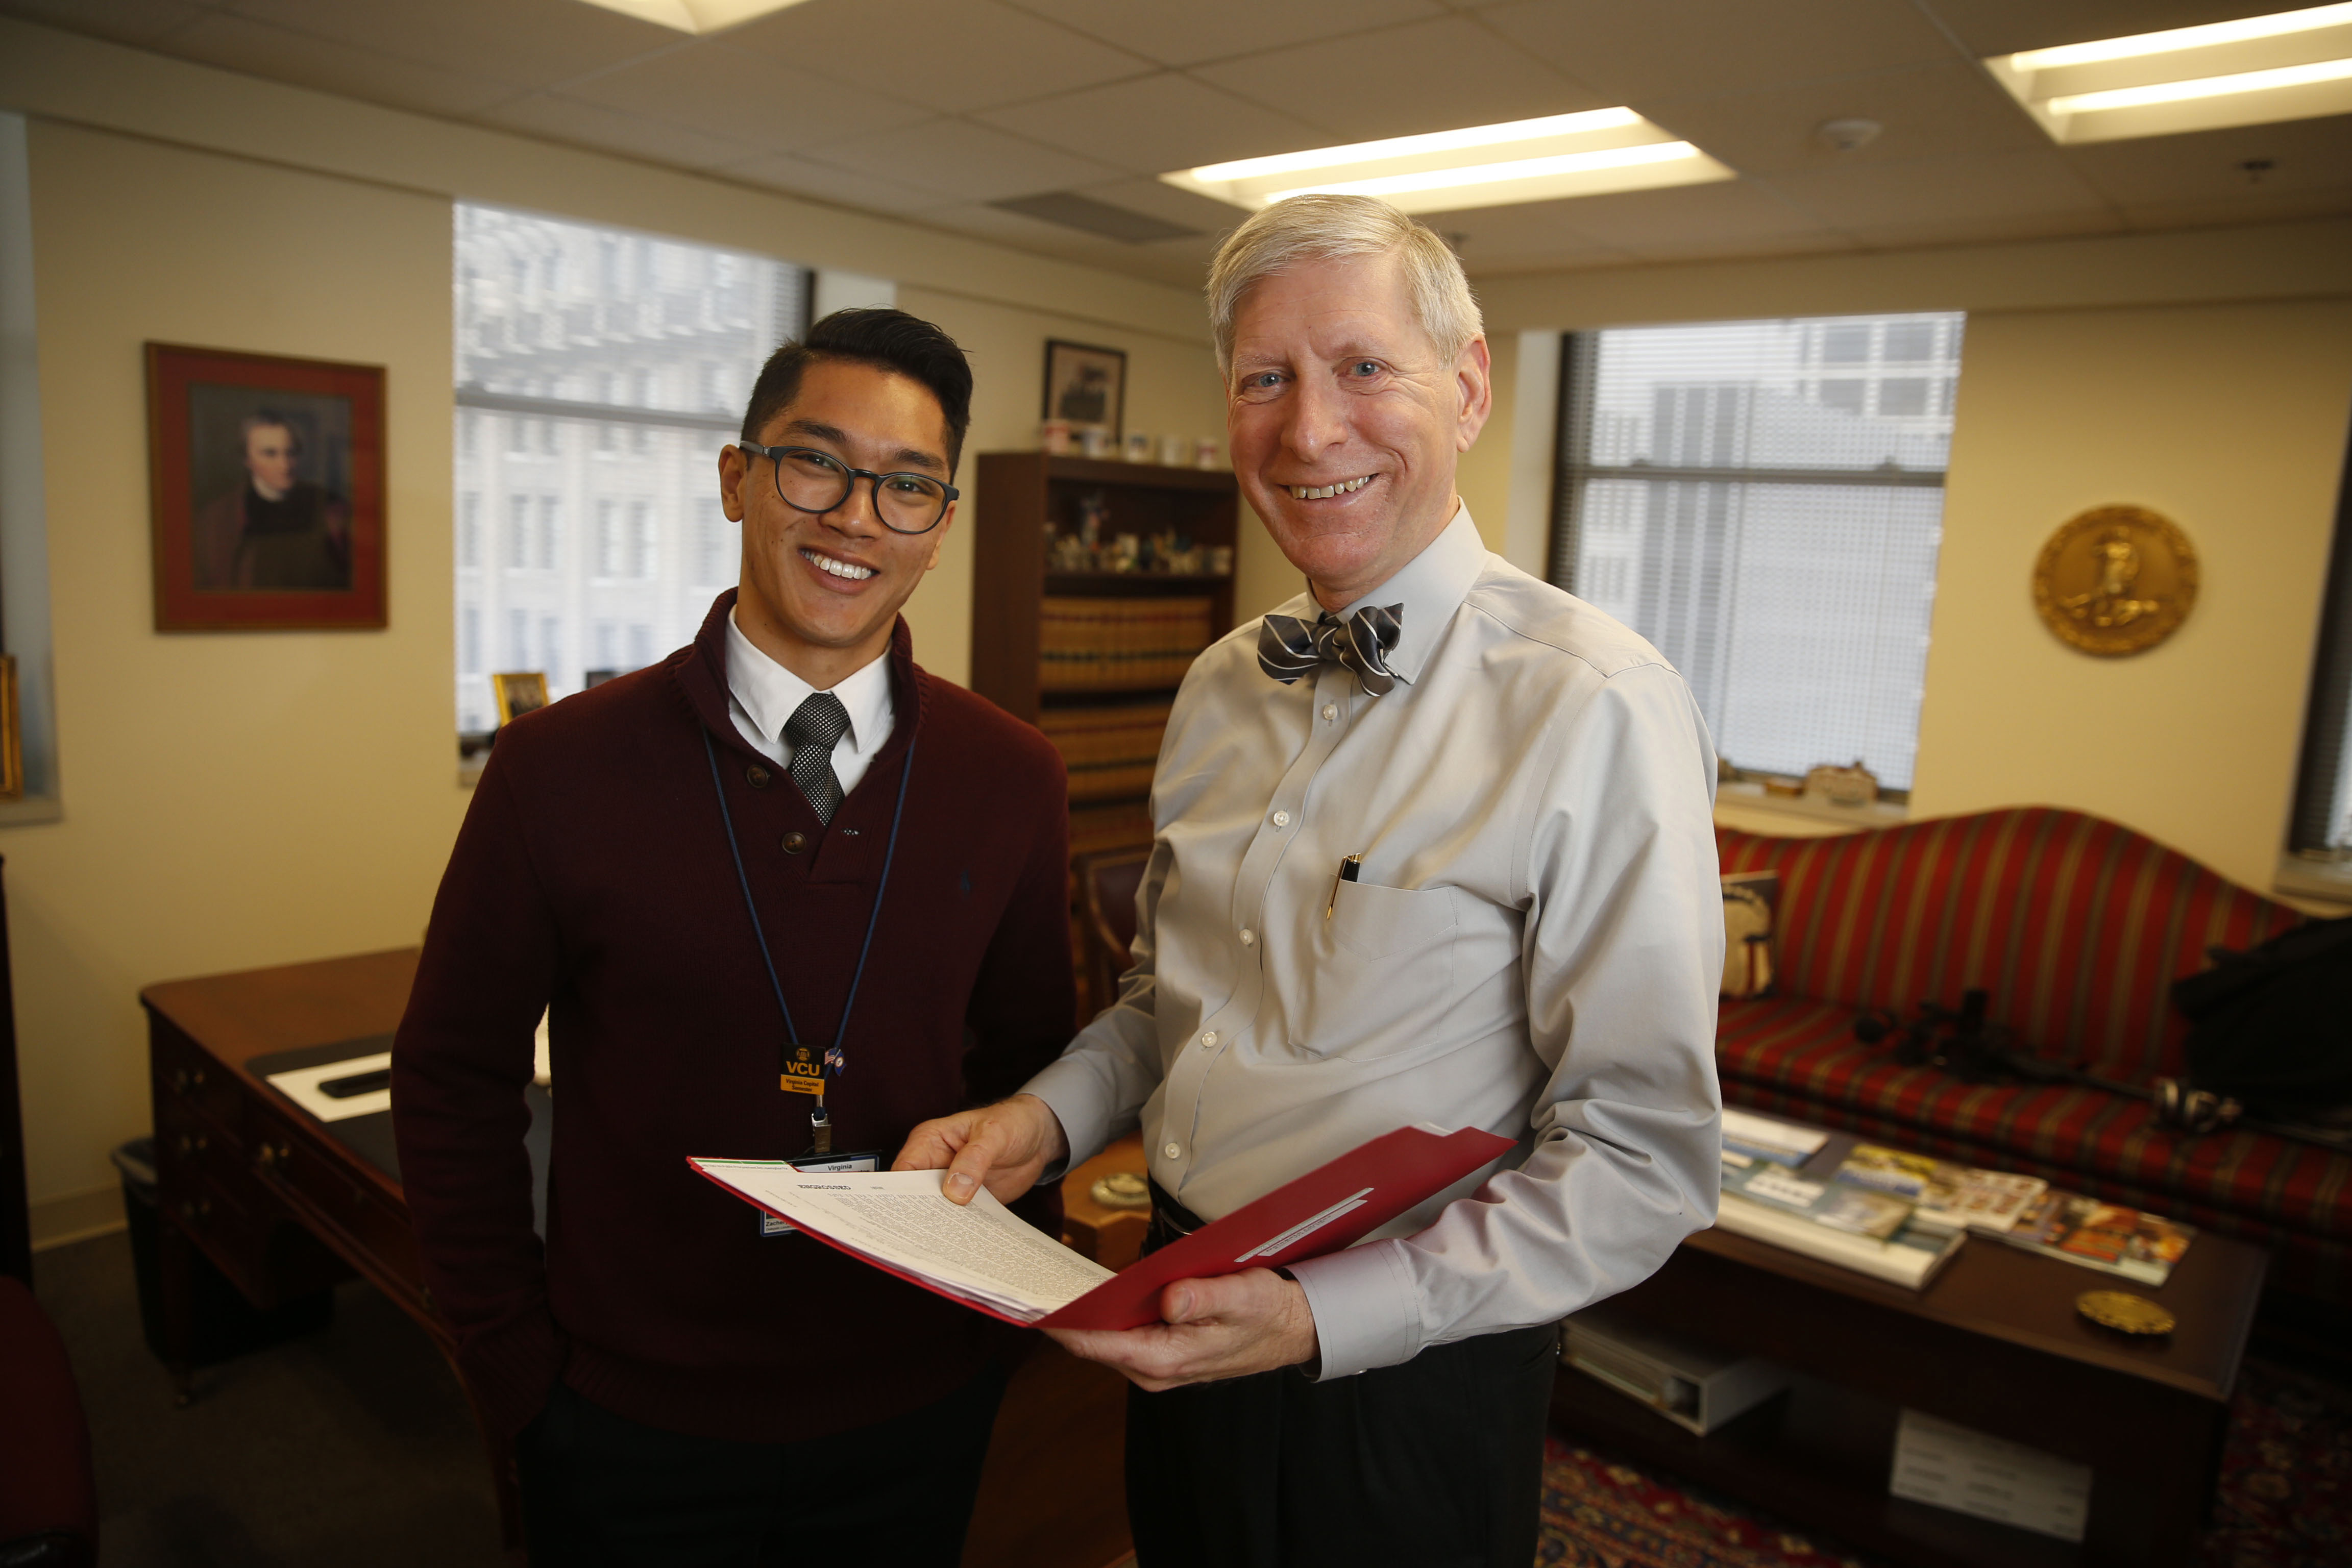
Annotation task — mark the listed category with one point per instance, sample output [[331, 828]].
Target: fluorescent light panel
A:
[[1557, 157], [2257, 70], [696, 15]]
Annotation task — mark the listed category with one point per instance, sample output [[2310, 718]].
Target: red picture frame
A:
[[265, 480]]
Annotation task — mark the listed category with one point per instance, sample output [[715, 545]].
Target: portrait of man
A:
[[268, 487], [273, 527]]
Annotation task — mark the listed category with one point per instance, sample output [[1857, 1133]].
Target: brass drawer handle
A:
[[185, 1079], [271, 1156], [193, 1143], [196, 1208]]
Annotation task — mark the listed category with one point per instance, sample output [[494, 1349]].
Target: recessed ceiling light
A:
[[2295, 64], [1557, 157], [695, 15]]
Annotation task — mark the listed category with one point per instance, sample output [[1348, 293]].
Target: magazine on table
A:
[[1752, 1137], [1947, 1197], [1854, 1228], [2110, 1237]]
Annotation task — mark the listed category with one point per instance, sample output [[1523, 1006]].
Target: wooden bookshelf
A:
[[1020, 494]]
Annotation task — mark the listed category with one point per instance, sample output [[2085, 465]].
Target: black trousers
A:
[[1437, 1463], [599, 1491]]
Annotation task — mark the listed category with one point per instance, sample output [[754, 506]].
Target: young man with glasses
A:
[[787, 896]]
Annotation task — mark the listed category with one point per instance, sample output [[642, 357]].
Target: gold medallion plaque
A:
[[2124, 1313], [2116, 579]]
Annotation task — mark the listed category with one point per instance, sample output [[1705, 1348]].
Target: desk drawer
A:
[[334, 1197], [186, 1077]]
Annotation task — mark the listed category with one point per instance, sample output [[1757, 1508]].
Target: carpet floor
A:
[[2284, 1498], [352, 1447]]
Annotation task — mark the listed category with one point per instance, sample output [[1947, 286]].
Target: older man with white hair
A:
[[1433, 845]]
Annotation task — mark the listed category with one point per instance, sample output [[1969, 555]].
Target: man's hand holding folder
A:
[[1225, 1327]]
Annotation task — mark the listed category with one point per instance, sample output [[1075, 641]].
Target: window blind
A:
[[2322, 807], [1763, 500], [598, 372]]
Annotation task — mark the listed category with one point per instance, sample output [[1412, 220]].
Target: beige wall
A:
[[230, 800], [2229, 419]]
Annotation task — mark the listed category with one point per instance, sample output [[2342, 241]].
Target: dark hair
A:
[[885, 339]]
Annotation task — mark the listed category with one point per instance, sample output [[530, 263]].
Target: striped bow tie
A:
[[1288, 647]]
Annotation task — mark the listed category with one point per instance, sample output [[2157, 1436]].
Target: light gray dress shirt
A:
[[762, 696], [1534, 947]]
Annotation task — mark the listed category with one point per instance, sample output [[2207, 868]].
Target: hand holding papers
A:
[[982, 1254]]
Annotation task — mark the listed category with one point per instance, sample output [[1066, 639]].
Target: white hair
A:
[[1339, 228]]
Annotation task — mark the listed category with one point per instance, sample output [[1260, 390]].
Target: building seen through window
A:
[[1764, 501], [598, 373]]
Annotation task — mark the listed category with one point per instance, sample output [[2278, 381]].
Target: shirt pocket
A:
[[1383, 972]]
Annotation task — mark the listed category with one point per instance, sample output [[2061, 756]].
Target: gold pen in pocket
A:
[[1348, 869]]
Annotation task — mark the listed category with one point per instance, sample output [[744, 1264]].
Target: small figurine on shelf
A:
[[1093, 512], [1126, 552]]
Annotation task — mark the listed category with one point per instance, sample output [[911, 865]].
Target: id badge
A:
[[821, 1164]]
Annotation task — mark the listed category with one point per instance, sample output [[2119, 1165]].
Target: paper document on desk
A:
[[987, 1257]]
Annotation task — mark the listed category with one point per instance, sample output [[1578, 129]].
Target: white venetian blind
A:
[[1763, 500], [598, 373]]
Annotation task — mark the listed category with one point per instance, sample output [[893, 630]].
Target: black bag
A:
[[2272, 1027]]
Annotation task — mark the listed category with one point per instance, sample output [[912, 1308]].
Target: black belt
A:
[[1171, 1221]]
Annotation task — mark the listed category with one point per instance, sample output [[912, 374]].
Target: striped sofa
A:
[[2076, 927]]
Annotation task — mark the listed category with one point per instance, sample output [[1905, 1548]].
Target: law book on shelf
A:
[[987, 1257], [1947, 1197], [2110, 1237]]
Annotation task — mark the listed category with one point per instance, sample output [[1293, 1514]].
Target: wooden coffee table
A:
[[1994, 1343]]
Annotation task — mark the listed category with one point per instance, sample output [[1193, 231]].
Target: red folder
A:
[[1321, 1212]]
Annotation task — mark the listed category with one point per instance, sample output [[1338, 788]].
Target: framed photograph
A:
[[520, 692], [265, 480], [1088, 387]]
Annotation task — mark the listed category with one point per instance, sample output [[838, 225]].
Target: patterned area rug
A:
[[2286, 1498]]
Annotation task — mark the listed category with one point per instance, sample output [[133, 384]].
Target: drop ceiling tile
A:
[[1986, 230], [1170, 204], [2304, 154], [1423, 76], [1519, 238], [1934, 111], [745, 98], [259, 50], [530, 43], [1217, 29], [1754, 248], [963, 161], [2004, 26], [1940, 190], [559, 119], [952, 55], [1157, 124], [123, 21], [1727, 212], [1181, 263], [782, 171], [1692, 49], [2264, 206]]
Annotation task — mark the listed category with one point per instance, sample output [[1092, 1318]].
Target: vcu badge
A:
[[803, 1074]]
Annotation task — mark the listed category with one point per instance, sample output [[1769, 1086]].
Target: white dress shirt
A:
[[762, 696], [1533, 947]]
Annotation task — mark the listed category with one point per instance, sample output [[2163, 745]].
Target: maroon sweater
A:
[[593, 874]]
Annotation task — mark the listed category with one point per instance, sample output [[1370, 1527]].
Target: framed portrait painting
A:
[[265, 480], [1088, 387]]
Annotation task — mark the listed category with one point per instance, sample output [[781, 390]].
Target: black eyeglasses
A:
[[814, 481]]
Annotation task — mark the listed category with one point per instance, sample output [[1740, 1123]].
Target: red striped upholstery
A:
[[2076, 927]]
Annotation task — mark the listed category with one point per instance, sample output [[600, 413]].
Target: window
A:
[[1764, 501], [598, 372]]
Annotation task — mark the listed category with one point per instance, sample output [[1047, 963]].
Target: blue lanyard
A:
[[835, 1061]]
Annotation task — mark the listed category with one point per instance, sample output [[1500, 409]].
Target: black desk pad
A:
[[370, 1136]]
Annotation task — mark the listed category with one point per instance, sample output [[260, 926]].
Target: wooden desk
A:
[[283, 1207], [1993, 1343]]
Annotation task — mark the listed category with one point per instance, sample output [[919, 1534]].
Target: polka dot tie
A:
[[813, 730]]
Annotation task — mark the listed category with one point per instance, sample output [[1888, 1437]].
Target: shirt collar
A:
[[770, 694], [1430, 587]]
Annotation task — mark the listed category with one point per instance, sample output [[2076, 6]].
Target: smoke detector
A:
[[1847, 135]]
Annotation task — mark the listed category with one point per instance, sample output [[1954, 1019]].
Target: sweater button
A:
[[795, 842], [758, 776]]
